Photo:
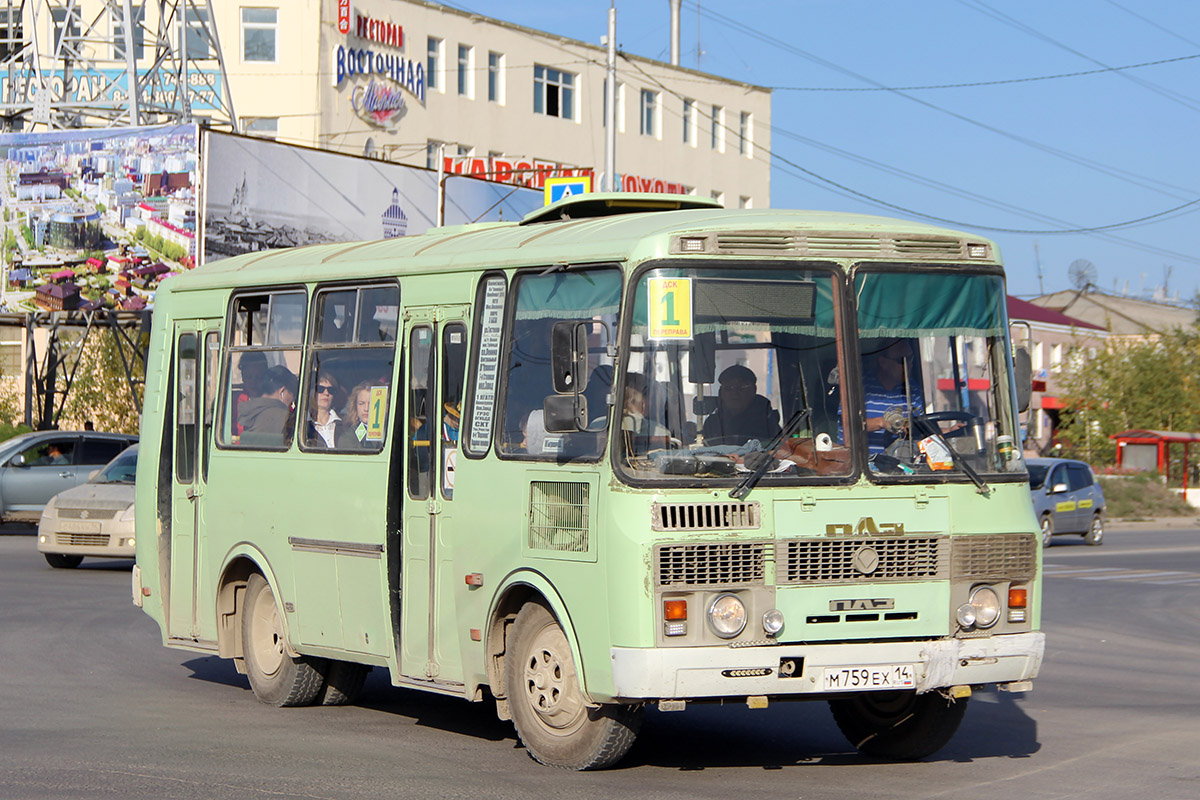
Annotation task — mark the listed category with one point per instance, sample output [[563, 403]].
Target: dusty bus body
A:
[[631, 451]]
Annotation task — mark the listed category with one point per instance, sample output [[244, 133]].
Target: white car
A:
[[94, 519]]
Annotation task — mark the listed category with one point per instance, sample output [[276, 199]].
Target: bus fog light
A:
[[678, 628], [772, 621], [727, 616], [987, 606], [965, 615]]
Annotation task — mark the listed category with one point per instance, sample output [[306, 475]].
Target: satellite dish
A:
[[1083, 274]]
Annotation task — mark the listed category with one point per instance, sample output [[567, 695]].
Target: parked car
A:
[[1066, 499], [95, 519], [36, 466]]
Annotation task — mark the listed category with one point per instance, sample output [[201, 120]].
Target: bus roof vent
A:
[[607, 204], [755, 243], [929, 246], [843, 244], [705, 516]]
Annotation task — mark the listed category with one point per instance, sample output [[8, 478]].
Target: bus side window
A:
[[421, 417], [454, 363]]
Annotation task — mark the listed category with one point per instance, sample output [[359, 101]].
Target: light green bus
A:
[[705, 455]]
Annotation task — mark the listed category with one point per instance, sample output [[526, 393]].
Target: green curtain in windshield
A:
[[569, 295], [924, 303]]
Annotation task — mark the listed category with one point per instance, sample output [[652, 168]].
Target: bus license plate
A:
[[891, 676]]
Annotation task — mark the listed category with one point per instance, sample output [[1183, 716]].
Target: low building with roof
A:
[[1122, 317]]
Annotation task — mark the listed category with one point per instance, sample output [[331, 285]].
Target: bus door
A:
[[437, 348], [197, 355]]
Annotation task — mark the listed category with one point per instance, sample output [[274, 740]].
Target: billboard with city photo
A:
[[96, 218], [261, 195]]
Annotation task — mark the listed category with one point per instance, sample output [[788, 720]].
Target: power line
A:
[[979, 83]]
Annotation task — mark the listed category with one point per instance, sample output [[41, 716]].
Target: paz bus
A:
[[630, 451]]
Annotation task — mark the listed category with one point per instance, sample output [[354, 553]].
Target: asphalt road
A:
[[92, 706]]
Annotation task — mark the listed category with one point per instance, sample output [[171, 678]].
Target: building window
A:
[[258, 33], [746, 135], [1056, 357], [12, 35], [553, 92], [648, 113], [65, 26], [620, 106], [264, 127], [433, 151], [466, 57], [689, 122], [718, 196], [745, 201], [718, 129], [496, 78], [198, 40], [118, 29], [433, 64]]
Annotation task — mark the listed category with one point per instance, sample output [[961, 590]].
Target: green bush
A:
[[1143, 497], [9, 430]]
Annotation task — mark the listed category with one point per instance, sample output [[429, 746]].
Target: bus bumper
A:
[[698, 672]]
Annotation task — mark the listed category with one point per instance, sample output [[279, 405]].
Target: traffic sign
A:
[[558, 188]]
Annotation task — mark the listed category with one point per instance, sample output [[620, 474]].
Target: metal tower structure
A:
[[108, 63]]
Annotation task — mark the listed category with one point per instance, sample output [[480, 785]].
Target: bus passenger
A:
[[742, 414], [269, 414], [252, 366], [323, 420], [356, 415], [633, 418]]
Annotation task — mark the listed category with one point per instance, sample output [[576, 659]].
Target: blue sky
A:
[[1036, 155]]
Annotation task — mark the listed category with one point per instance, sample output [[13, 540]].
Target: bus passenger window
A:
[[454, 362], [420, 418], [347, 390]]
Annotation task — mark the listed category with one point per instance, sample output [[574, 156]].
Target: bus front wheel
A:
[[277, 678], [548, 708], [903, 726]]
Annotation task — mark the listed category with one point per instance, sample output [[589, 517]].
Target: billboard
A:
[[262, 195], [96, 218]]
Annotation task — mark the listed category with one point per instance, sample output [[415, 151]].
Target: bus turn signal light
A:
[[675, 617], [475, 579], [1017, 598]]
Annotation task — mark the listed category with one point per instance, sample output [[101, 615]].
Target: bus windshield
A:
[[720, 362], [936, 385]]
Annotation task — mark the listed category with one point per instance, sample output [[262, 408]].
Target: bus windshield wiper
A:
[[742, 489]]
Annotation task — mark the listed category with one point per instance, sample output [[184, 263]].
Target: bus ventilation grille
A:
[[702, 565], [705, 516], [558, 516], [837, 244], [857, 560], [1002, 556]]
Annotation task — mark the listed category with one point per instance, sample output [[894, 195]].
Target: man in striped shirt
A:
[[884, 388]]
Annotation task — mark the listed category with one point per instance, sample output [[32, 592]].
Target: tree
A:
[[1142, 384], [100, 391]]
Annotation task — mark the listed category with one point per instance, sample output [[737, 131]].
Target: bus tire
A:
[[277, 678], [548, 708], [343, 683], [901, 726], [63, 561], [1095, 534], [1047, 530]]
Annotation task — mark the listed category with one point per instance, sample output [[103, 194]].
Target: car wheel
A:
[[1047, 530], [904, 726], [548, 708], [1095, 534], [277, 678], [61, 561]]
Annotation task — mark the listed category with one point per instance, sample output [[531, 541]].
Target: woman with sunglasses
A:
[[323, 420]]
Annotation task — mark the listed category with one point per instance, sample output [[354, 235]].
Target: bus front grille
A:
[[711, 564], [890, 559], [994, 557], [704, 516]]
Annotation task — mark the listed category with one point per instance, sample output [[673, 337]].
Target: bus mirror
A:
[[564, 413], [702, 358], [1023, 375], [569, 356]]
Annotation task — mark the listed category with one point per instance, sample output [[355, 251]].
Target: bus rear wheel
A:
[[62, 561], [903, 726], [343, 683], [277, 678], [548, 708]]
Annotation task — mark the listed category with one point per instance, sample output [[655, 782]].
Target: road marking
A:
[[1155, 577]]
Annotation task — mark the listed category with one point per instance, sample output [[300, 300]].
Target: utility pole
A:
[[609, 182], [1037, 259]]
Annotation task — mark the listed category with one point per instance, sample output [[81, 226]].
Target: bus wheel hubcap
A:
[[267, 639], [549, 680]]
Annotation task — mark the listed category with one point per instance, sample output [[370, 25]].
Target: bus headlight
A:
[[773, 621], [727, 616], [982, 609]]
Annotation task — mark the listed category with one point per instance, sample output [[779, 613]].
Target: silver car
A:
[[36, 466], [1066, 499], [95, 519]]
